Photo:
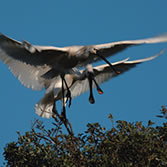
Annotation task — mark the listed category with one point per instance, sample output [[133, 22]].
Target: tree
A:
[[124, 144]]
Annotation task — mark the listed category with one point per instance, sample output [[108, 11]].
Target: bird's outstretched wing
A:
[[66, 57], [104, 73], [29, 76], [109, 49], [30, 54], [27, 62]]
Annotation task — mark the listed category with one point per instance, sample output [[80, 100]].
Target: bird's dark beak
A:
[[91, 99], [103, 58]]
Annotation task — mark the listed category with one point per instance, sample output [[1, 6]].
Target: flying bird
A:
[[40, 67], [61, 59], [49, 61], [78, 84]]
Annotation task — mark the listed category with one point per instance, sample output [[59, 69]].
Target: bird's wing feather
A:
[[105, 72], [29, 76], [60, 57], [110, 49], [31, 54]]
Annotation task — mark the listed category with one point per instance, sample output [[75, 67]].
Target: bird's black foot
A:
[[67, 124]]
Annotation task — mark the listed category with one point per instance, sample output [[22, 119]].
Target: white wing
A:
[[27, 62], [67, 57], [109, 49], [104, 73], [31, 54], [29, 76]]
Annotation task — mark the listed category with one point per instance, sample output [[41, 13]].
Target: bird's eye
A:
[[93, 50]]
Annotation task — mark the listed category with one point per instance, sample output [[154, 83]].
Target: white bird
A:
[[35, 66], [59, 61], [49, 61], [78, 84], [40, 67]]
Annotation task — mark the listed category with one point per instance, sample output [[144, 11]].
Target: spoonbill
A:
[[38, 77], [78, 84], [62, 59], [50, 61]]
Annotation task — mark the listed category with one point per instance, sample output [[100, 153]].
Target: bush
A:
[[126, 144]]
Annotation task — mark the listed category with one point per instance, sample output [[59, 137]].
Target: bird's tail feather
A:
[[45, 106]]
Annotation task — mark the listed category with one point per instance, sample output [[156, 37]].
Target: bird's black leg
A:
[[55, 113], [63, 117], [68, 93], [63, 92]]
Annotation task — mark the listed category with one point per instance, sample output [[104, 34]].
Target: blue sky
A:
[[134, 96]]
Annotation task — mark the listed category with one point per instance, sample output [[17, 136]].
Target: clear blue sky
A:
[[134, 96]]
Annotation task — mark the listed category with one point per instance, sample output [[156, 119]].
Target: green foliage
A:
[[126, 144]]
